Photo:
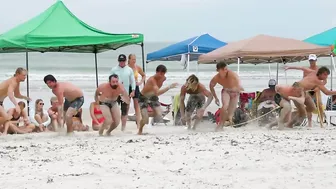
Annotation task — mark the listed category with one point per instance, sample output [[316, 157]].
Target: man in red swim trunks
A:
[[230, 92]]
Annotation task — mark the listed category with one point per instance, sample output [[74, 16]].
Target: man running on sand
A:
[[229, 94], [312, 61], [73, 99], [11, 88], [284, 94], [149, 96], [314, 81], [197, 92], [107, 94]]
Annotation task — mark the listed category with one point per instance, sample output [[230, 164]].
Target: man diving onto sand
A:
[[11, 88], [107, 94], [229, 94], [283, 96], [149, 96], [73, 99], [196, 100], [314, 81]]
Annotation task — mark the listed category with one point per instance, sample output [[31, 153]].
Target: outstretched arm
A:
[[167, 89], [209, 96], [143, 75], [304, 69], [326, 91], [124, 95], [212, 85], [17, 93], [300, 99]]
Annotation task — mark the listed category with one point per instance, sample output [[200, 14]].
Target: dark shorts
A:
[[152, 101], [123, 106], [136, 92], [194, 102], [109, 104], [277, 98], [76, 104]]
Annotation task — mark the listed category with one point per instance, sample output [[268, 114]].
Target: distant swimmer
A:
[[11, 88], [149, 96], [197, 93], [73, 100], [107, 95], [229, 94]]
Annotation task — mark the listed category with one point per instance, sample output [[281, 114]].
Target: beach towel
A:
[[176, 105]]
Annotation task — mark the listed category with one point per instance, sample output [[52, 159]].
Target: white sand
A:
[[171, 157]]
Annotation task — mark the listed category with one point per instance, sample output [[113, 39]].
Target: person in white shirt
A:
[[126, 77], [39, 116]]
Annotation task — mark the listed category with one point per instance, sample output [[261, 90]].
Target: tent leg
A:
[[96, 66], [277, 74], [27, 81], [143, 59], [188, 63], [331, 72], [269, 71], [238, 66]]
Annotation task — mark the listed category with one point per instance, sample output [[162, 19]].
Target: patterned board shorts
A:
[[152, 101], [194, 102], [76, 104]]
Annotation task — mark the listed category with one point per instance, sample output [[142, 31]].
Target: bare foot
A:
[[123, 128], [219, 128]]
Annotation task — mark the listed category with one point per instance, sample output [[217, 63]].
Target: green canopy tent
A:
[[58, 30]]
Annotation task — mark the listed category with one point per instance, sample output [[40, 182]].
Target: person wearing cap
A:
[[126, 77], [267, 94]]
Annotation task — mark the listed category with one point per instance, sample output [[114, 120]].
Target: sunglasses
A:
[[41, 103]]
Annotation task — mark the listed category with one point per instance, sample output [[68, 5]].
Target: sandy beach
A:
[[171, 157]]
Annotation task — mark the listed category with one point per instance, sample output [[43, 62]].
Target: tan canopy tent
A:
[[264, 49]]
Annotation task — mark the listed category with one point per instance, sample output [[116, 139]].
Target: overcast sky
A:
[[175, 20]]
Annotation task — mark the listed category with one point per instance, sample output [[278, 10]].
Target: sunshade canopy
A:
[[326, 38], [264, 49], [58, 30], [194, 46]]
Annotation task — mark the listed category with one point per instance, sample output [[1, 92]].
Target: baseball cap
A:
[[121, 57], [312, 57], [272, 82]]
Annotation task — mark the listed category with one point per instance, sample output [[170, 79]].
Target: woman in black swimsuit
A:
[[27, 127]]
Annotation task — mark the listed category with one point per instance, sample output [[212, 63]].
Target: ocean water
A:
[[80, 70]]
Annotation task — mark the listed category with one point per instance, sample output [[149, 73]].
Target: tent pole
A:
[[188, 62], [197, 69], [27, 81], [143, 59], [96, 66], [269, 71], [238, 68], [277, 74]]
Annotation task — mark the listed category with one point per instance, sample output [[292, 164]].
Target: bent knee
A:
[[37, 116]]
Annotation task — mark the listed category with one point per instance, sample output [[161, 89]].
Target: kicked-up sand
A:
[[171, 157]]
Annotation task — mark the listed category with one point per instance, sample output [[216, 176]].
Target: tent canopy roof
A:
[[326, 38], [58, 30], [194, 46], [264, 49]]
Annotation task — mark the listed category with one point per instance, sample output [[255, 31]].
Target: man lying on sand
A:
[[229, 94], [73, 101], [11, 88], [149, 96], [197, 92], [312, 82], [284, 94], [107, 94]]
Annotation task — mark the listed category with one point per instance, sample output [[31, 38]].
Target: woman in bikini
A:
[[15, 120], [96, 115], [39, 117], [137, 71], [77, 122]]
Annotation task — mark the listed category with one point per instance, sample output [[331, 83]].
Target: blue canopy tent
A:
[[192, 47], [326, 38]]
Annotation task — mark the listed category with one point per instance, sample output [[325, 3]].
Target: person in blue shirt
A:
[[126, 77]]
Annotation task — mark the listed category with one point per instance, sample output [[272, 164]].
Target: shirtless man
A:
[[312, 67], [11, 88], [149, 96], [107, 94], [197, 92], [313, 81], [229, 94], [284, 94], [73, 100]]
